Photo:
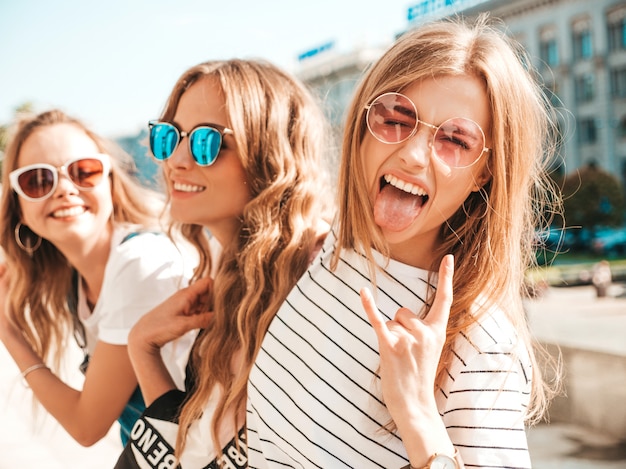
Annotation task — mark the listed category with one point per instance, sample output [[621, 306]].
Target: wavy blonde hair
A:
[[491, 234], [281, 135], [40, 284]]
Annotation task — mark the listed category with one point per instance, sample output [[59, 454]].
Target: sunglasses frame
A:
[[419, 121], [16, 173], [180, 134]]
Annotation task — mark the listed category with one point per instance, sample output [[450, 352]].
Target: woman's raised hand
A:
[[185, 310], [410, 349]]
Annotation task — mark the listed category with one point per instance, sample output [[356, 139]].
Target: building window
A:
[[617, 35], [616, 28], [584, 87], [618, 83], [582, 44], [587, 133], [621, 129], [552, 92], [549, 52]]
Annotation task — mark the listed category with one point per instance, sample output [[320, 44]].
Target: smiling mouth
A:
[[180, 187], [69, 212]]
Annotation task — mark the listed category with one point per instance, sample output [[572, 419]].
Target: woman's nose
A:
[[181, 158], [417, 150], [64, 185]]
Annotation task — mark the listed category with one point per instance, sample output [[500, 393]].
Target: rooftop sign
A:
[[429, 8], [316, 50]]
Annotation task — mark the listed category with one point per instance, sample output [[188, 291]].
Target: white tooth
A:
[[68, 212], [187, 187], [404, 185]]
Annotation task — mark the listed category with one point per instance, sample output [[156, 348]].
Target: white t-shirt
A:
[[142, 272], [153, 436], [314, 398]]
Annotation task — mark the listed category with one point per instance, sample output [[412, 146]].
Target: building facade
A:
[[334, 76], [578, 46]]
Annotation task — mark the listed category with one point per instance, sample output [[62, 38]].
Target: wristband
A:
[[29, 370]]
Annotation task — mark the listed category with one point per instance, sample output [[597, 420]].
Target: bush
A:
[[593, 197]]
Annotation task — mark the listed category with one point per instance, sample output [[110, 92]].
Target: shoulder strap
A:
[[136, 233], [79, 330]]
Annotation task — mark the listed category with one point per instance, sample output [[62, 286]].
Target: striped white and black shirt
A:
[[314, 398]]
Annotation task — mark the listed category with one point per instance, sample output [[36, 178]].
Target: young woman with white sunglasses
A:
[[84, 259]]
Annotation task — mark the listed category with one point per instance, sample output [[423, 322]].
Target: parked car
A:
[[554, 240], [578, 238], [609, 242]]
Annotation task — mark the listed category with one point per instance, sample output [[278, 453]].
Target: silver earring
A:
[[28, 245]]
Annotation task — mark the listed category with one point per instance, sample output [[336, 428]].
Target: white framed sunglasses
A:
[[38, 181]]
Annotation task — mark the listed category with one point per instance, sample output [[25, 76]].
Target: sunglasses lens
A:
[[459, 142], [86, 173], [36, 183], [205, 143], [163, 140], [392, 118]]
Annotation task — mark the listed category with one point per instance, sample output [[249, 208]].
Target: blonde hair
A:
[[491, 234], [40, 283], [280, 135]]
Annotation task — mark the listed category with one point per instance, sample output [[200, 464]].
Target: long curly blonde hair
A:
[[491, 234], [40, 283], [281, 136]]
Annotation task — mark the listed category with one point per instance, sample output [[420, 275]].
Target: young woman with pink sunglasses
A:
[[442, 180]]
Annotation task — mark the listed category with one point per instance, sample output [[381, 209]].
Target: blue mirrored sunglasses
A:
[[205, 141]]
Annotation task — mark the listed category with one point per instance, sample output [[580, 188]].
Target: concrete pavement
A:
[[573, 318], [588, 425], [568, 446]]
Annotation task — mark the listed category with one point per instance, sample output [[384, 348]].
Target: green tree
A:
[[5, 129], [593, 197], [4, 137]]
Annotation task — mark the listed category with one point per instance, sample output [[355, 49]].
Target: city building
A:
[[334, 76], [578, 46]]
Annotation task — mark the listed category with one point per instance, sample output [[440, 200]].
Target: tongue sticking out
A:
[[395, 209]]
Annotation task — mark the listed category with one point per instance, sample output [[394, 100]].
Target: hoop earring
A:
[[484, 196], [28, 245]]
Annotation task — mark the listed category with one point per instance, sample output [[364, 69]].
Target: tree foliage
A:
[[593, 197], [4, 137], [6, 128]]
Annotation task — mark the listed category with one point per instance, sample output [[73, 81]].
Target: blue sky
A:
[[113, 63]]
